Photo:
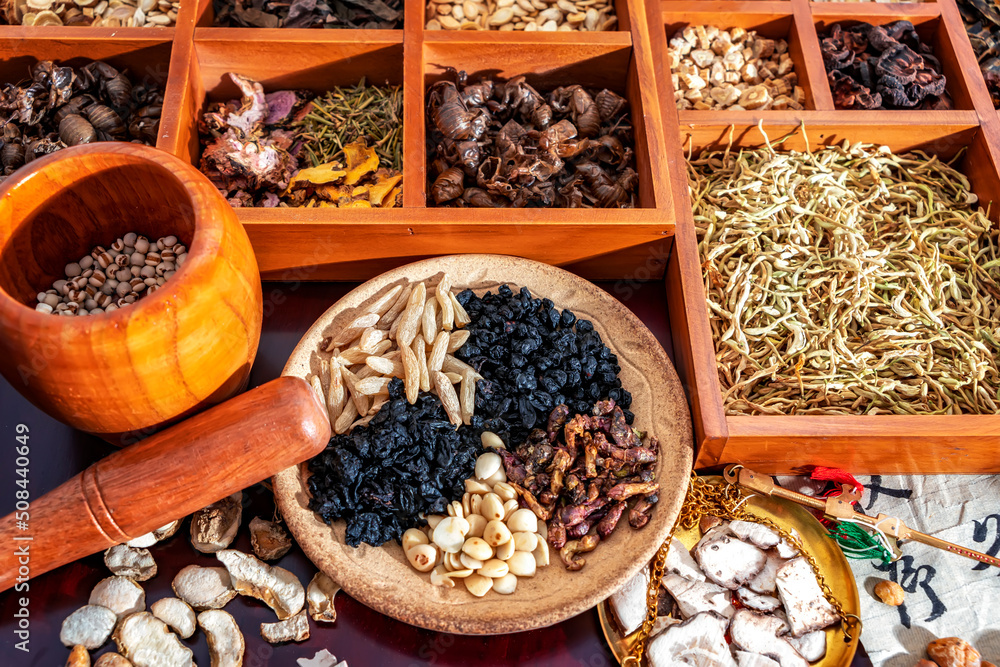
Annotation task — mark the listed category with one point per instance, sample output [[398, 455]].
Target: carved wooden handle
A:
[[169, 475]]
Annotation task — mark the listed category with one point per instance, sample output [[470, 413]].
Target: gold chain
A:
[[725, 501]]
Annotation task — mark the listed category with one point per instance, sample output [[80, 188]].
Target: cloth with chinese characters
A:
[[946, 595]]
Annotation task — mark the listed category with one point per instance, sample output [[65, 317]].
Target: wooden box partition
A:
[[860, 444]]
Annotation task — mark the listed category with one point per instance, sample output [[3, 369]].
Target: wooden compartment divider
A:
[[860, 444]]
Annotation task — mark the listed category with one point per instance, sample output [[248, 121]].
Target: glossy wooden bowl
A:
[[124, 374], [381, 577]]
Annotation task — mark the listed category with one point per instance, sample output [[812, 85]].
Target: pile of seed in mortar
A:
[[111, 278]]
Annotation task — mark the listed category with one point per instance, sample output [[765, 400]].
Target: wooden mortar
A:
[[124, 374]]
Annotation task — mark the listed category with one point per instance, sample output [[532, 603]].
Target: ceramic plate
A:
[[381, 577], [833, 566]]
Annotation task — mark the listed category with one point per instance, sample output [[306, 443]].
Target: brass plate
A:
[[833, 566]]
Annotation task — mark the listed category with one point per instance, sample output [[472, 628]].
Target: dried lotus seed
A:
[[523, 521], [126, 561], [505, 491], [439, 577], [505, 550], [270, 540], [112, 660], [541, 552], [412, 537], [487, 464], [477, 525], [147, 641], [433, 520], [478, 548], [509, 507], [450, 534], [525, 542], [176, 613], [90, 626], [294, 629], [423, 557], [496, 533], [492, 507], [494, 568], [320, 595], [225, 641], [497, 477], [476, 487], [506, 584], [478, 585], [492, 440], [469, 562], [214, 527], [78, 657], [204, 587], [274, 586], [119, 594], [522, 564]]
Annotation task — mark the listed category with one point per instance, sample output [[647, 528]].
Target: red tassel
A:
[[837, 476]]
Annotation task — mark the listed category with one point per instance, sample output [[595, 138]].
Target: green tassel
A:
[[859, 544]]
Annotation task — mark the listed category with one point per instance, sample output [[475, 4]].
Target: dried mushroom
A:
[[89, 626], [363, 14], [499, 144], [320, 594], [158, 535], [214, 527], [293, 629], [78, 657], [269, 539], [147, 642], [274, 586], [112, 660], [65, 106], [225, 641], [882, 66], [204, 587], [176, 613], [119, 594], [126, 561]]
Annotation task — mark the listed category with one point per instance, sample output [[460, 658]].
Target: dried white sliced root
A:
[[213, 528], [274, 586], [176, 613], [320, 594], [112, 660], [204, 587], [158, 535], [270, 540], [126, 561], [148, 642], [119, 594], [225, 641], [322, 659], [90, 626], [78, 657], [293, 629]]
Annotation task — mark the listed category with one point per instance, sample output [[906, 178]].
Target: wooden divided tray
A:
[[621, 245], [861, 444]]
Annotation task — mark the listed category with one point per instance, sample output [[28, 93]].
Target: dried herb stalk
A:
[[346, 114], [847, 280]]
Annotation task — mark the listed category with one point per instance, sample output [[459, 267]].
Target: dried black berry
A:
[[408, 459]]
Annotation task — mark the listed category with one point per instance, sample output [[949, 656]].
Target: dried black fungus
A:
[[409, 459], [499, 144], [886, 66], [534, 357]]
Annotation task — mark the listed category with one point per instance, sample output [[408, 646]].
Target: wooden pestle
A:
[[168, 475]]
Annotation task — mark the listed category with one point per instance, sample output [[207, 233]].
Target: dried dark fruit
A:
[[534, 357], [869, 66], [515, 147], [407, 460]]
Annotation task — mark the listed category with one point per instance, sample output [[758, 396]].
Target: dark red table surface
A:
[[360, 635]]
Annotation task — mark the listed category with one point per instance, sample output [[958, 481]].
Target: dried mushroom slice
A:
[[204, 587], [89, 626], [112, 660], [214, 527], [294, 629], [131, 562], [176, 613], [321, 659], [119, 594], [163, 532], [78, 657], [151, 538], [320, 594], [147, 642], [225, 641], [274, 586], [269, 539]]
